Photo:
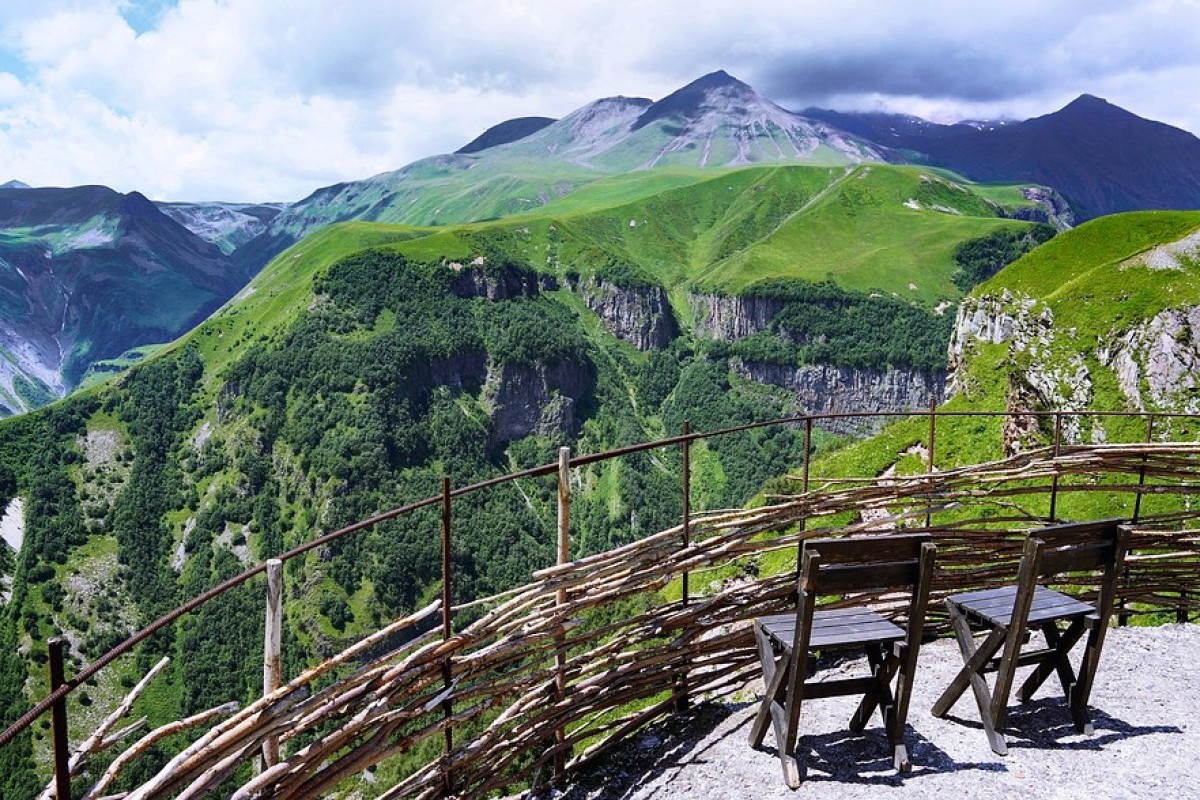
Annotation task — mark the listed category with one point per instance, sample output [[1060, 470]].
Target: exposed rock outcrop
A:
[[1040, 378], [465, 371], [1052, 208], [825, 389], [477, 280], [540, 400], [995, 320], [1157, 362], [733, 317], [641, 316]]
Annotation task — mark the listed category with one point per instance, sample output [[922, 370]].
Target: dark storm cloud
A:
[[934, 71]]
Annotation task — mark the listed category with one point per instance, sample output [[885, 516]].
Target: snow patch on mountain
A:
[[227, 225]]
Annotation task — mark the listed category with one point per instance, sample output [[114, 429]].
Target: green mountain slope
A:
[[867, 228], [369, 360]]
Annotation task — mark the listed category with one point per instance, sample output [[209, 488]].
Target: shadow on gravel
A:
[[1047, 724], [865, 758], [837, 757], [661, 749]]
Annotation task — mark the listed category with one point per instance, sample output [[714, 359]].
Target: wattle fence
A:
[[551, 674]]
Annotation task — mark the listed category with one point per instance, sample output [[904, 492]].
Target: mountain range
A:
[[1088, 159], [370, 359], [1102, 158]]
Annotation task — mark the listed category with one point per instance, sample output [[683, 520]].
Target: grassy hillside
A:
[[369, 360], [872, 228], [1084, 278]]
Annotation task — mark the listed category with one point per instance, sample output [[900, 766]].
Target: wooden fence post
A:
[[681, 681], [929, 468], [1054, 480], [272, 650], [58, 719], [447, 632], [808, 426], [564, 548], [1137, 500]]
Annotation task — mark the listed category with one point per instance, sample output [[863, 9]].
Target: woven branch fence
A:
[[554, 673]]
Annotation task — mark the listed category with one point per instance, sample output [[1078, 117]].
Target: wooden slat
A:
[[995, 605], [889, 547], [840, 578], [1077, 558], [835, 629]]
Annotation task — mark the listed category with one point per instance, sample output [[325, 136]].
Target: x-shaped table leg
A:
[[1061, 643], [974, 660]]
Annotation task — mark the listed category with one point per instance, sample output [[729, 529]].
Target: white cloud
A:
[[270, 99]]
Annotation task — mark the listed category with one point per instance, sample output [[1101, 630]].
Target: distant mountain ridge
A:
[[508, 131], [714, 121], [1102, 158], [227, 225], [87, 273]]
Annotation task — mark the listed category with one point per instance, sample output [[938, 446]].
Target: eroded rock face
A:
[[825, 389], [995, 320], [640, 316], [1039, 380], [474, 280], [1157, 363], [541, 400], [1054, 208], [730, 318]]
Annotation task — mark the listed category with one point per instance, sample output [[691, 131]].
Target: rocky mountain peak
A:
[[691, 100]]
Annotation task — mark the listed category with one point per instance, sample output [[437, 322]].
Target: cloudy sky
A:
[[271, 99]]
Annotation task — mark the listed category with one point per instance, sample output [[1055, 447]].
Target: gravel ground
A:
[[1146, 744]]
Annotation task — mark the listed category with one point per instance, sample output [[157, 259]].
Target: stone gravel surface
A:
[[1146, 743]]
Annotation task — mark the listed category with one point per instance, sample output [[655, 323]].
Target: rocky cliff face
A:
[[476, 280], [825, 389], [640, 316], [542, 400], [995, 320], [730, 318], [1157, 362], [1053, 208], [1044, 373]]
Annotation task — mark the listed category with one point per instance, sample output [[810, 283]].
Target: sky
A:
[[268, 100]]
